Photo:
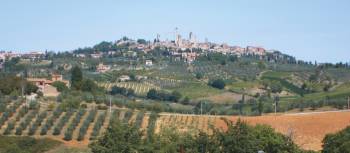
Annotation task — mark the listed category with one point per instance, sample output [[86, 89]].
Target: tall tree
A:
[[76, 78]]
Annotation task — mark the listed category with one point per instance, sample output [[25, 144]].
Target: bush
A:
[[338, 142], [175, 96], [219, 83], [122, 91], [60, 86]]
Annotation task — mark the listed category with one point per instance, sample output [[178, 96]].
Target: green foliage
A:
[[338, 142], [219, 83], [9, 112], [199, 75], [26, 144], [139, 119], [151, 125], [60, 86], [247, 139], [122, 91], [88, 85], [119, 138], [85, 125], [11, 83], [50, 121], [283, 83], [24, 124], [61, 123], [240, 137], [98, 124], [164, 96], [37, 123], [127, 116], [203, 107], [276, 87], [141, 41], [69, 133], [76, 78]]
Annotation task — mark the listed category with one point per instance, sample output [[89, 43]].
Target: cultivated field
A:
[[139, 88], [78, 127], [307, 130]]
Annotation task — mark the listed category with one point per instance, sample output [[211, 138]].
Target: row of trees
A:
[[175, 96], [122, 91]]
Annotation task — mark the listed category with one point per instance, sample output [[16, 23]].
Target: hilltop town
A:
[[186, 49]]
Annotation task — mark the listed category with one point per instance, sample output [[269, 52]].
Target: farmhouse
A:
[[123, 78], [101, 68], [97, 55], [33, 55], [45, 85], [149, 63]]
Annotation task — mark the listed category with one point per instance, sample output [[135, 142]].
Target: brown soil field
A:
[[307, 130]]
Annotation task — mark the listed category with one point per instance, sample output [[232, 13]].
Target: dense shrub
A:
[[164, 96], [122, 91], [338, 142], [219, 83]]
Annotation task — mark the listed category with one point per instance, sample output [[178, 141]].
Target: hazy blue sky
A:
[[308, 29]]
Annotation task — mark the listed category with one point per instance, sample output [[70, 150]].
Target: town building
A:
[[101, 68]]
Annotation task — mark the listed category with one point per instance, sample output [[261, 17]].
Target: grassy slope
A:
[[279, 76], [198, 90], [239, 86], [341, 91], [26, 144]]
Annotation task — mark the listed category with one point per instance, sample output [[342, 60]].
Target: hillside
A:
[[76, 128]]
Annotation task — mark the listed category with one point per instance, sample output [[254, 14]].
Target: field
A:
[[307, 130], [139, 88], [76, 128]]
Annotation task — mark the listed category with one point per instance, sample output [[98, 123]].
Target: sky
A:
[[307, 29]]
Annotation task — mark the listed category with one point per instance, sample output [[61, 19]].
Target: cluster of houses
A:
[[102, 68], [181, 49], [10, 54]]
